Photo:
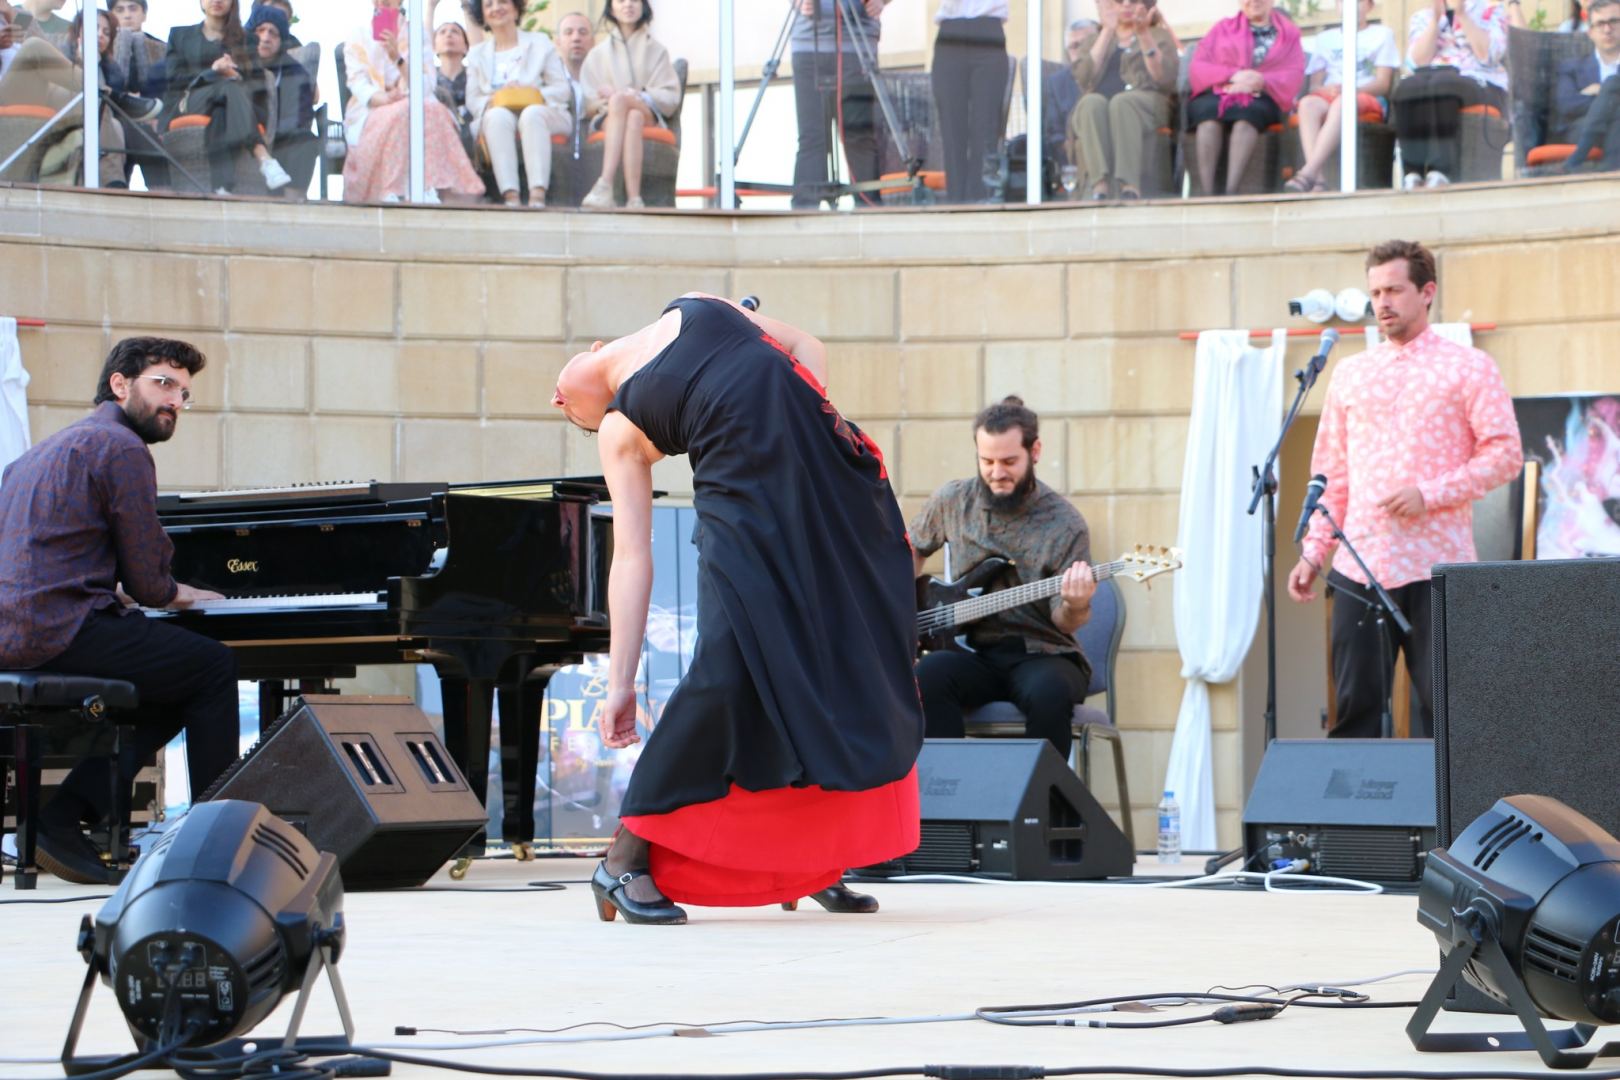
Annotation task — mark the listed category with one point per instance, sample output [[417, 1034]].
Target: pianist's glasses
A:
[[170, 385]]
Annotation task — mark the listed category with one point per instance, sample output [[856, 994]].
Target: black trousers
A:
[[186, 682], [1364, 672], [1428, 108], [1045, 687], [817, 93], [970, 82], [233, 127]]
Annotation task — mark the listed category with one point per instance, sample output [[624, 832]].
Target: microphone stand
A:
[[1385, 604], [1264, 494]]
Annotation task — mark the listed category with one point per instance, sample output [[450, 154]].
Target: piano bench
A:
[[31, 702]]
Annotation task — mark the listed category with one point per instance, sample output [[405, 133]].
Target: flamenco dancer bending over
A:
[[788, 751]]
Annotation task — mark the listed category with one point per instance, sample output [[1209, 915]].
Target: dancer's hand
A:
[[617, 721]]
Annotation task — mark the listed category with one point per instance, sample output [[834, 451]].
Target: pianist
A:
[[79, 540]]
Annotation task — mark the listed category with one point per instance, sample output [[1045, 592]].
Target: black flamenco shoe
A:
[[838, 899], [611, 900]]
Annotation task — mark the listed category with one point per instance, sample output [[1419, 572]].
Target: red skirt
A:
[[763, 847]]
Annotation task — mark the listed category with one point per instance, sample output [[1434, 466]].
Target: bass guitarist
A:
[[1028, 654]]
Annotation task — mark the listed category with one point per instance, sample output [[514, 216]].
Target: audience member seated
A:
[[39, 18], [139, 55], [632, 84], [1376, 60], [377, 122], [1243, 78], [1126, 70], [210, 68], [283, 97], [111, 173], [1458, 55], [450, 49], [1588, 92], [517, 95], [831, 93], [1060, 95], [286, 9], [576, 35]]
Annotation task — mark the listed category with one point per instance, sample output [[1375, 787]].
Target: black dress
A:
[[798, 724]]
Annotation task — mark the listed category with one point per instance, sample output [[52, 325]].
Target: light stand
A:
[[867, 56], [1385, 604]]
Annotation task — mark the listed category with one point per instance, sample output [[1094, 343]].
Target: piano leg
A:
[[272, 699], [520, 756], [467, 711]]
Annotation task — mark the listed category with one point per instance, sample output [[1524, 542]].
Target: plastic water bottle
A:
[[1169, 829]]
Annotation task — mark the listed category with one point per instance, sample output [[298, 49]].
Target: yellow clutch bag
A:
[[516, 98]]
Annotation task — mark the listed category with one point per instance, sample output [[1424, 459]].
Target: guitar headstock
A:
[[1149, 561]]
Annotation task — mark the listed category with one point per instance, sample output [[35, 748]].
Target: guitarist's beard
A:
[[1014, 498]]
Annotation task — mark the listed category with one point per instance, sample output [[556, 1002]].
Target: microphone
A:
[[1313, 495], [1330, 338], [751, 302]]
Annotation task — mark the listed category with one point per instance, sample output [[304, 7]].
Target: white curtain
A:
[[1237, 406], [13, 395]]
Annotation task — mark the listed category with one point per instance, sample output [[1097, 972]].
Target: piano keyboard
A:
[[285, 603], [248, 495]]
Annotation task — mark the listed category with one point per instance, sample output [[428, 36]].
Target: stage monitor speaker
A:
[[365, 778], [1355, 808], [1010, 809], [1525, 693]]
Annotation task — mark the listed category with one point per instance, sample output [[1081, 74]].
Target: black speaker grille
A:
[[1378, 854], [946, 847], [1554, 954]]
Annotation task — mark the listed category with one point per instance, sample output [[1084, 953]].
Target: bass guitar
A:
[[943, 606]]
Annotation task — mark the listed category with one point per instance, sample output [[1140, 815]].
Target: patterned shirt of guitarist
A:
[[1042, 536]]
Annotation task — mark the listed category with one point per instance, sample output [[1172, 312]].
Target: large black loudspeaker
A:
[[1012, 809], [365, 778], [1526, 687], [1526, 656], [1356, 808]]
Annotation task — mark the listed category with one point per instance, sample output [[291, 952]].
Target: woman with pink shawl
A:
[[1244, 77]]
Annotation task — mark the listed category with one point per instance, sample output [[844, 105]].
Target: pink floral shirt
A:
[[1430, 414]]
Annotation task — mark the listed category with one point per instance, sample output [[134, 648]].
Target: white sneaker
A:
[[1436, 179], [275, 177], [431, 197], [222, 191], [1411, 181], [391, 197], [600, 196], [635, 204]]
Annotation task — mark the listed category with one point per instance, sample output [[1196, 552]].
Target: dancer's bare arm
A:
[[628, 469]]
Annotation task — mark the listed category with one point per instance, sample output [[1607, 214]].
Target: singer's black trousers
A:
[[1364, 672]]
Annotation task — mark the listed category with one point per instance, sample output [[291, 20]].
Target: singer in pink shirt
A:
[[1413, 432]]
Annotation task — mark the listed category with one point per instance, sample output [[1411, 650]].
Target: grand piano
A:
[[496, 585]]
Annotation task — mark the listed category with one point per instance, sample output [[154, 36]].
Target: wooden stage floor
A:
[[469, 960]]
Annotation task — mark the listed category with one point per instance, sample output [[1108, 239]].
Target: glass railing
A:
[[833, 104]]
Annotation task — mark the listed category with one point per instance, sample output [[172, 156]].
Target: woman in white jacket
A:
[[631, 84], [518, 96]]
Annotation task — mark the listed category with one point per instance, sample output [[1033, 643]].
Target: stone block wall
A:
[[415, 343]]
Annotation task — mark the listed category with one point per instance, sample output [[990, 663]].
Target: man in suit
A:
[[1586, 101]]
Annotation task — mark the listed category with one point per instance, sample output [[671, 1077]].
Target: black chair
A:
[[1533, 60], [35, 706], [1099, 640]]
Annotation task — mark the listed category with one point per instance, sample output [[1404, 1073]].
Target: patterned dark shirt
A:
[[1043, 537], [78, 516]]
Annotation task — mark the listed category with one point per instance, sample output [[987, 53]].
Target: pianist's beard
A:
[[153, 423]]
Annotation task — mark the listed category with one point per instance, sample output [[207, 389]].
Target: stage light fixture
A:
[[229, 911], [1316, 305], [1526, 906], [1352, 305]]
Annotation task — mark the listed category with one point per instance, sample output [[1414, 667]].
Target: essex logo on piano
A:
[[243, 566]]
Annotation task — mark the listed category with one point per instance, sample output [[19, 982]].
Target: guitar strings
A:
[[939, 618]]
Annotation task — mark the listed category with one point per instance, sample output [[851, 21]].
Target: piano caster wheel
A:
[[522, 851], [459, 869]]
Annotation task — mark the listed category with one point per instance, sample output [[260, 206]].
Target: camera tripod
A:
[[866, 55]]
